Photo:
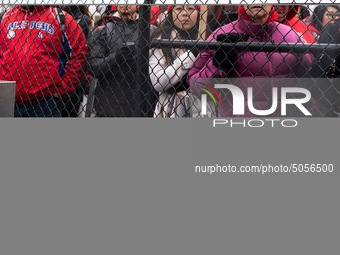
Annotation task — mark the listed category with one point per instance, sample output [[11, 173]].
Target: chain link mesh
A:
[[158, 61]]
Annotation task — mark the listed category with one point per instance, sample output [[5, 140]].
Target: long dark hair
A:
[[318, 15], [84, 10], [165, 29]]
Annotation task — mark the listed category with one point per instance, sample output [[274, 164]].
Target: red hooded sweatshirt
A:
[[297, 24], [33, 54]]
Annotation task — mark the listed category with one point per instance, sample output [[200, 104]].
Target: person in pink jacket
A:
[[256, 23]]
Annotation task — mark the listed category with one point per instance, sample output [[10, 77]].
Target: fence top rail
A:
[[250, 46]]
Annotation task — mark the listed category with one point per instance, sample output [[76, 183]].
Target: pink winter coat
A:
[[252, 64]]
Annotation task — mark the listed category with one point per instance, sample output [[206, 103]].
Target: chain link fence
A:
[[165, 61]]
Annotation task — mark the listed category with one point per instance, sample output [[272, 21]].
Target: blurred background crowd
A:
[[53, 53]]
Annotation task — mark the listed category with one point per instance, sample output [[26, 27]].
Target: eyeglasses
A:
[[333, 16]]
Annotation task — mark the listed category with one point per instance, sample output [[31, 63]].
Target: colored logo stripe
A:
[[206, 91], [213, 90]]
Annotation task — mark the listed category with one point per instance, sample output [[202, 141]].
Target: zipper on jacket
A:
[[26, 47], [263, 33], [270, 64], [25, 18], [22, 55]]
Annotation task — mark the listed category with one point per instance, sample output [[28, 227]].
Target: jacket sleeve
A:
[[101, 59], [163, 78], [76, 48], [305, 64], [203, 68]]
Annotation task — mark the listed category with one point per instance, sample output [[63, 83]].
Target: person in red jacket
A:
[[286, 15], [45, 60]]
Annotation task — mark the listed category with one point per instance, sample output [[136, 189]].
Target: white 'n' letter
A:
[[238, 97]]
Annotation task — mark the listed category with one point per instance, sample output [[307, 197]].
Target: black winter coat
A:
[[326, 66], [117, 92]]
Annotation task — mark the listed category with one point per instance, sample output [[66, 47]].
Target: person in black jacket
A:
[[112, 59], [326, 91]]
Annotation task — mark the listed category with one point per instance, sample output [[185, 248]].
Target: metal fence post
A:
[[143, 61]]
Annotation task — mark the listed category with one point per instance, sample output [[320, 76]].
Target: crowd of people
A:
[[51, 52]]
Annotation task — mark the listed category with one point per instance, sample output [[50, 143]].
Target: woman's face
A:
[[330, 16], [185, 16], [258, 12]]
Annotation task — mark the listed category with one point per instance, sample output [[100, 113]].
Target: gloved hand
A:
[[126, 61], [225, 57], [125, 54], [195, 51]]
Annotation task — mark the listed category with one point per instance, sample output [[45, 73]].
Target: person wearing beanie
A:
[[168, 67], [258, 70], [113, 60]]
